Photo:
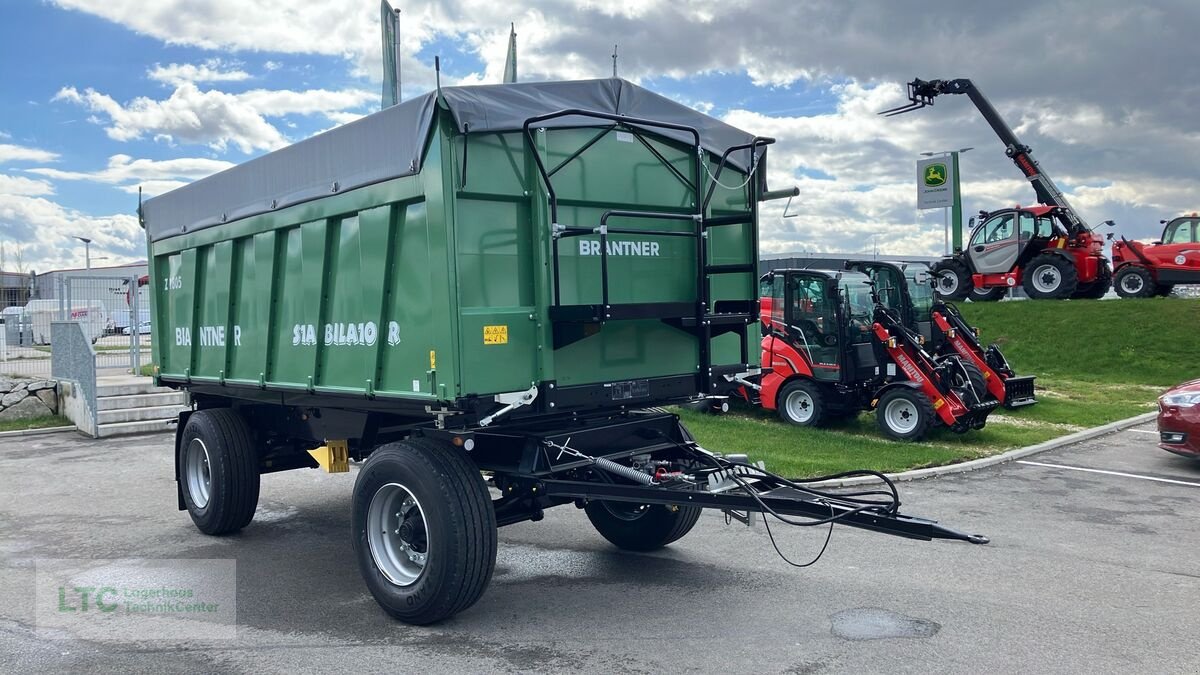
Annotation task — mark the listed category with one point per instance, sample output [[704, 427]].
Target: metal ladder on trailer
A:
[[702, 317]]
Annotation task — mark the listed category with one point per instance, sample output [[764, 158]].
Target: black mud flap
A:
[[183, 418]]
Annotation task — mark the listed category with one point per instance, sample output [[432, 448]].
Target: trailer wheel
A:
[[988, 294], [1049, 276], [218, 471], [800, 402], [640, 527], [424, 530], [904, 414], [951, 279]]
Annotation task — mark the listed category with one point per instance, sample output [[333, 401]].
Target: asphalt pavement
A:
[[1086, 572]]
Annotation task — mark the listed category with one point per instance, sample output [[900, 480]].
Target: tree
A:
[[18, 258]]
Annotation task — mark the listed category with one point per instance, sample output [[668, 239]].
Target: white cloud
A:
[[44, 230], [272, 66], [276, 103], [154, 176], [19, 185], [212, 70], [20, 153], [5, 135], [210, 118], [213, 118]]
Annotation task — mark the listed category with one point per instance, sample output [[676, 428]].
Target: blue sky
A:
[[100, 96]]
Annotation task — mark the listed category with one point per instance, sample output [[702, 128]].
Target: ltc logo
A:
[[935, 175]]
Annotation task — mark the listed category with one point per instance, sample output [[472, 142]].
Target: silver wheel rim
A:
[[198, 472], [397, 534], [1132, 283], [1047, 278], [947, 283], [901, 415], [799, 406]]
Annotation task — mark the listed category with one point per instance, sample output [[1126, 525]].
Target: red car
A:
[[1179, 419]]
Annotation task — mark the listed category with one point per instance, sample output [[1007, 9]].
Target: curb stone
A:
[[984, 462], [36, 432]]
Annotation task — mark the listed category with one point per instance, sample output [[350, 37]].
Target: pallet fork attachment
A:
[[920, 94]]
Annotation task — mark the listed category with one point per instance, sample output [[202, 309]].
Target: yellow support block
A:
[[334, 456]]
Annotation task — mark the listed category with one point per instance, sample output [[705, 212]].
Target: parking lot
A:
[[1087, 571]]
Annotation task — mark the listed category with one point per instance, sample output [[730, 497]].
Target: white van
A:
[[39, 313]]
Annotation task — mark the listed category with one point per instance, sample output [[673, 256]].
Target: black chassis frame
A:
[[531, 475]]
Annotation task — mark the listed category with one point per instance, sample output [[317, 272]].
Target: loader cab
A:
[[1185, 230], [904, 287], [826, 316], [1006, 239]]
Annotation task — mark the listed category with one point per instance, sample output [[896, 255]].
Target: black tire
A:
[[988, 294], [1098, 288], [708, 406], [1134, 282], [802, 403], [640, 527], [457, 529], [974, 380], [1050, 276], [952, 279], [1163, 290], [909, 405], [218, 471]]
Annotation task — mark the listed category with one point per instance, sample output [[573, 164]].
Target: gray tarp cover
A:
[[390, 144]]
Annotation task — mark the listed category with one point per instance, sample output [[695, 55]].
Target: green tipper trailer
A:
[[501, 279]]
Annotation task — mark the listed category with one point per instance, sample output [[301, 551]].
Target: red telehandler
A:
[[1145, 270], [1048, 250]]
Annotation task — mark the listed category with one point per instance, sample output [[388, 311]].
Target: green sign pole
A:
[[956, 210]]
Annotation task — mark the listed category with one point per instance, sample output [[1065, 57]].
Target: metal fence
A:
[[113, 312]]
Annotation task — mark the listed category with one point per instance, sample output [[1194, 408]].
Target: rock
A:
[[38, 385], [6, 385], [27, 409], [48, 397], [13, 397]]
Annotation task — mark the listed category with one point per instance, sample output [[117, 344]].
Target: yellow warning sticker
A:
[[495, 335], [937, 405]]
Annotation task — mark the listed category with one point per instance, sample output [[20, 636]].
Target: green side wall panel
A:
[[428, 288]]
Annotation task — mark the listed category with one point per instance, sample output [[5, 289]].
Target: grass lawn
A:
[[35, 423], [1096, 362]]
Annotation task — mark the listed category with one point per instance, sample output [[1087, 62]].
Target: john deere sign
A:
[[935, 175], [935, 183]]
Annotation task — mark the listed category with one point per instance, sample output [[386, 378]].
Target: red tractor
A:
[[1048, 250], [1145, 270], [831, 350], [1037, 248]]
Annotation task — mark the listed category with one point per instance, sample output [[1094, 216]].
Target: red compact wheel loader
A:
[[831, 349], [907, 288], [1145, 270], [1048, 250]]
